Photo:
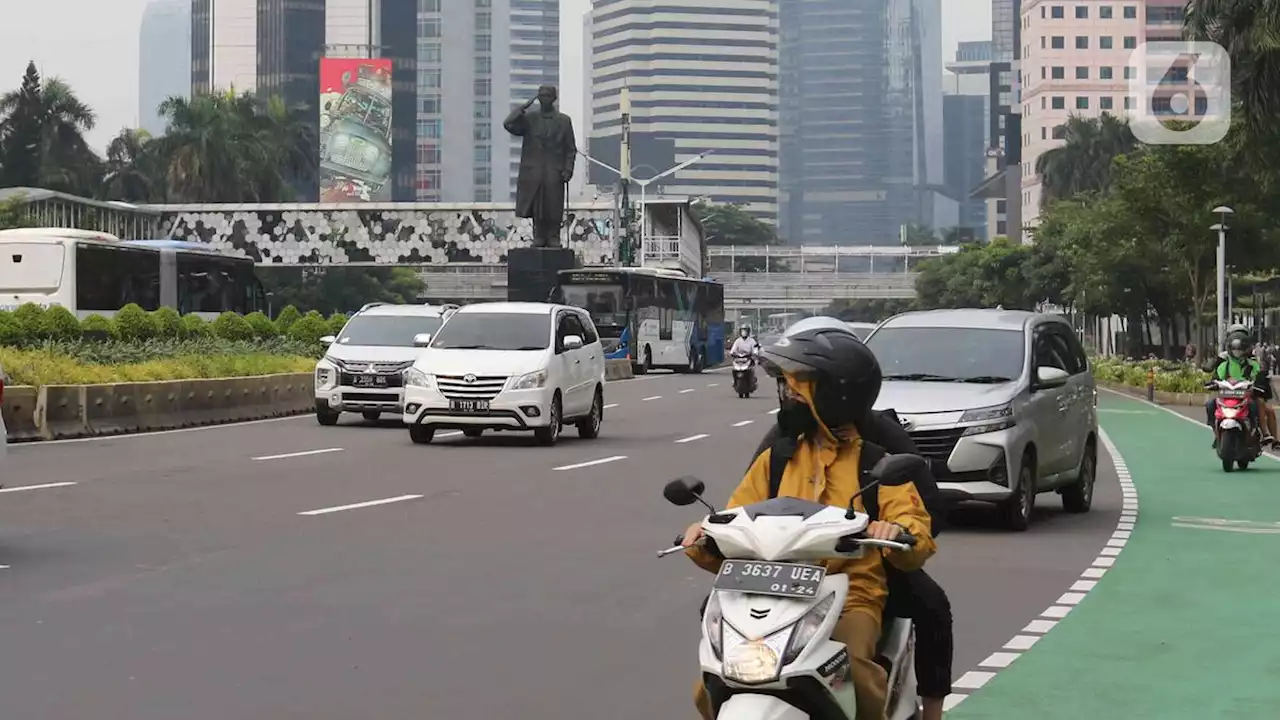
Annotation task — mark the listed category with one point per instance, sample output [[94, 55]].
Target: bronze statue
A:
[[547, 156]]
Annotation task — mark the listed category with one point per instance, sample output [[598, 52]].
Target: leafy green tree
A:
[[1250, 31], [46, 130], [730, 224], [131, 172], [1083, 162], [20, 132], [919, 235]]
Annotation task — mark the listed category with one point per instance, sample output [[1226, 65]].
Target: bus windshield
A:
[[603, 302]]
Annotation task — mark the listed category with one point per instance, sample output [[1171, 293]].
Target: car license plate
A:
[[469, 406], [770, 578], [370, 381]]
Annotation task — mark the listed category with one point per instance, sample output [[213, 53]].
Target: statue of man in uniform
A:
[[547, 156]]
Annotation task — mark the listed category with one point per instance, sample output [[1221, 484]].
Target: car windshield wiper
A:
[[923, 377], [462, 347], [986, 379], [531, 347]]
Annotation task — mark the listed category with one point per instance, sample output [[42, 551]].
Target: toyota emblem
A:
[[468, 378]]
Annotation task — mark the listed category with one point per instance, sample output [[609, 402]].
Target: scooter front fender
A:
[[745, 706]]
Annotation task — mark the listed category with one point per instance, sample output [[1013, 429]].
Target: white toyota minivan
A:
[[508, 366]]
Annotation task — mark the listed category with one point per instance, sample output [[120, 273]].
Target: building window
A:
[[483, 133], [1058, 73], [1105, 42], [430, 128], [1105, 73], [428, 154], [1130, 42], [1024, 50], [1001, 205], [1130, 12], [1082, 73], [483, 109], [1106, 103], [482, 87], [1128, 102], [428, 27], [484, 43], [482, 176], [1042, 12], [1041, 105], [484, 65], [429, 53], [1082, 42], [1057, 42], [1059, 103], [484, 21], [1129, 72], [1001, 227], [1104, 12], [428, 6], [1056, 12], [1043, 133], [1082, 12], [428, 78], [1082, 103], [429, 104], [483, 154]]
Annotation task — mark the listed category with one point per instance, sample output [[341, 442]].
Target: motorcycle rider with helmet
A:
[[1237, 363], [835, 379], [915, 594], [744, 343]]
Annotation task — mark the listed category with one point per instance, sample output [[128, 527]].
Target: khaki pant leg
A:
[[860, 632]]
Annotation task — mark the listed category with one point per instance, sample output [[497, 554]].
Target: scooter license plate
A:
[[769, 578]]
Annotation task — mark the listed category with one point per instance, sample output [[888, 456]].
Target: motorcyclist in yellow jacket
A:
[[836, 378]]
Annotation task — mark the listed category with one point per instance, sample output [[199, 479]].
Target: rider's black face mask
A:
[[794, 416]]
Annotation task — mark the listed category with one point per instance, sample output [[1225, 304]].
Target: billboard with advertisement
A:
[[355, 130]]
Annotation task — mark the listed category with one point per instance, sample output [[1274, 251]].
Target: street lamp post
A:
[[1222, 211], [644, 184]]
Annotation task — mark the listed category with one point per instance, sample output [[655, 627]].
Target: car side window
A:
[[562, 329], [588, 330], [1047, 351], [1075, 352]]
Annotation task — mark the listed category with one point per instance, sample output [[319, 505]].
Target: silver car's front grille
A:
[[470, 387], [937, 444], [377, 367]]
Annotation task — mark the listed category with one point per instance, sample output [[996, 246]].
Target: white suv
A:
[[509, 366], [363, 369]]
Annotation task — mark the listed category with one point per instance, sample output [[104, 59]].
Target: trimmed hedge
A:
[[1170, 376], [33, 326], [50, 346]]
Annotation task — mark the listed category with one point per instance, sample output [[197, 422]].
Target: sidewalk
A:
[[1184, 626]]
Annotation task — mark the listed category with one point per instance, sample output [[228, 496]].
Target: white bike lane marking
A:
[[974, 680]]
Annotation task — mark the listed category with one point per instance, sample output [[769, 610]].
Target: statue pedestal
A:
[[531, 272]]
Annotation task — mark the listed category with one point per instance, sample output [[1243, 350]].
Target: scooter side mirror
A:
[[684, 490], [899, 469]]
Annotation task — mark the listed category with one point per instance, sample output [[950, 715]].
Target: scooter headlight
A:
[[1230, 412], [714, 621], [806, 628]]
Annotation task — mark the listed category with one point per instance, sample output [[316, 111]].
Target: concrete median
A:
[[56, 412], [617, 370], [19, 412]]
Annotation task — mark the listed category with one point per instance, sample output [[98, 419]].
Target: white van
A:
[[508, 366]]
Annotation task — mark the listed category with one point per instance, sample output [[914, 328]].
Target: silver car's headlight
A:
[[413, 377], [993, 419]]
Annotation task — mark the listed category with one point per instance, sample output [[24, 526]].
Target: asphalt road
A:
[[179, 578]]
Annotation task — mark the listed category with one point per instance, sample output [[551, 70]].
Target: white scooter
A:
[[744, 373], [766, 650]]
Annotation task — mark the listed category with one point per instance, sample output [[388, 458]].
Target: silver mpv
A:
[[1001, 402]]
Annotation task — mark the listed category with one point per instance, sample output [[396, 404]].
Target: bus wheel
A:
[[643, 368]]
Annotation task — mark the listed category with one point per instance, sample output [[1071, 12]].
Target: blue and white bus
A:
[[89, 272], [654, 317]]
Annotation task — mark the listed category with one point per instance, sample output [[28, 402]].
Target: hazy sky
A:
[[93, 44]]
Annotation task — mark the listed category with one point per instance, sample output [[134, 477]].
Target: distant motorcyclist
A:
[[1237, 364], [744, 344]]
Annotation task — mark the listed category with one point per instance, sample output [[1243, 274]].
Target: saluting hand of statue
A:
[[532, 100]]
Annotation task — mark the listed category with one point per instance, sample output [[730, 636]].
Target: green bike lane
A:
[[1183, 625]]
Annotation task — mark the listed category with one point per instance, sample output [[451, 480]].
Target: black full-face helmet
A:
[[845, 373]]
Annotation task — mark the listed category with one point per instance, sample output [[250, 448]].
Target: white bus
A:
[[91, 272]]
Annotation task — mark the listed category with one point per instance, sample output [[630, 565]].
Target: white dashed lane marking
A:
[[22, 488], [651, 397], [589, 463], [691, 438], [304, 453], [356, 506], [743, 422]]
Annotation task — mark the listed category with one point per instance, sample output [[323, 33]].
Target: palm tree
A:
[[56, 120], [1083, 162], [129, 169], [233, 148], [1250, 32]]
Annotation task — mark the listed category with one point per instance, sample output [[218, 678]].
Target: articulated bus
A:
[[90, 272], [654, 317]]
